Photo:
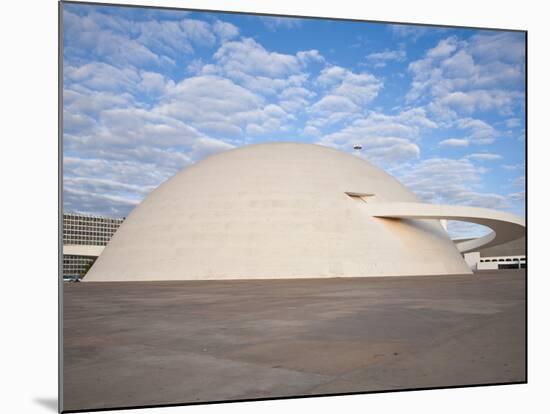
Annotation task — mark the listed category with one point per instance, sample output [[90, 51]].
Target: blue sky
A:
[[148, 92]]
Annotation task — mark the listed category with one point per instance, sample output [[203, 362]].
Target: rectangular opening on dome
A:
[[359, 197]]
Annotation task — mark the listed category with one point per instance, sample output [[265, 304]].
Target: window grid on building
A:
[[75, 266], [89, 230], [85, 230]]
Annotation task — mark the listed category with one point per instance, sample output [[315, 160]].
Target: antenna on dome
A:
[[357, 147]]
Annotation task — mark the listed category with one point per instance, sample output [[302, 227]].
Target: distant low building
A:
[[84, 238], [509, 255]]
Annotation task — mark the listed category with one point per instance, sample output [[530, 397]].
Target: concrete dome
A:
[[277, 210]]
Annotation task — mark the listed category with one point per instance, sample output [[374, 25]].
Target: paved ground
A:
[[147, 343]]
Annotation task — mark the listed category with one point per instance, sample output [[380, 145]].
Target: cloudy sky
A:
[[149, 92]]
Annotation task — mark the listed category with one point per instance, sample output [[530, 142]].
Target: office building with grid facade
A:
[[84, 238]]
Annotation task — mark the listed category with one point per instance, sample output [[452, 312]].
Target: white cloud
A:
[[519, 196], [77, 123], [454, 142], [462, 76], [455, 182], [444, 48], [450, 181], [99, 75], [165, 37], [377, 149], [76, 200], [335, 103], [135, 126], [386, 139], [519, 181], [409, 31], [106, 38], [198, 31], [216, 105], [505, 46], [225, 30], [153, 84], [311, 131], [249, 57], [144, 176], [380, 59], [513, 167], [122, 41], [104, 77], [440, 180], [250, 65], [469, 102], [480, 132], [308, 56], [122, 185], [346, 95], [274, 23], [80, 100], [295, 99], [484, 156], [513, 123], [205, 146], [359, 88]]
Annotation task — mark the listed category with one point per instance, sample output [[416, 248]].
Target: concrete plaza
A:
[[151, 343]]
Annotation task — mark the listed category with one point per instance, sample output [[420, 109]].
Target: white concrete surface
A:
[[82, 250], [472, 259], [278, 210], [505, 226]]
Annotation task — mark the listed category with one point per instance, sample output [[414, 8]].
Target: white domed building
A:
[[289, 210]]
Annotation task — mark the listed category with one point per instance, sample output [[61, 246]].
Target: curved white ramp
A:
[[505, 226]]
